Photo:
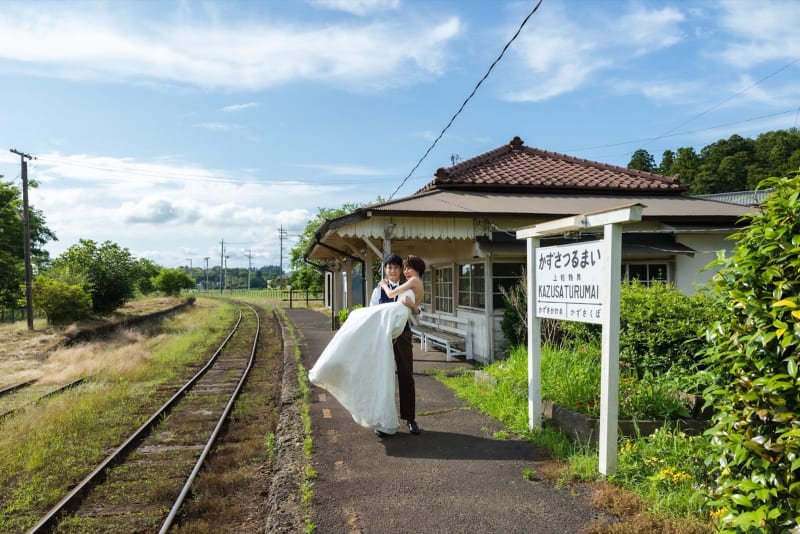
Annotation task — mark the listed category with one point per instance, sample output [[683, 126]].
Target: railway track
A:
[[142, 484], [24, 394]]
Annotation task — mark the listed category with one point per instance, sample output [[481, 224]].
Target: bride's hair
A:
[[416, 263]]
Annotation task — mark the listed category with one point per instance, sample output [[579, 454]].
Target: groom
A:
[[403, 351]]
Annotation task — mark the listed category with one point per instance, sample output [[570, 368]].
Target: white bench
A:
[[448, 332]]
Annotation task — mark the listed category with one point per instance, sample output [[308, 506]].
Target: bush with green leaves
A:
[[109, 271], [172, 281], [345, 313], [660, 327], [61, 302], [752, 370]]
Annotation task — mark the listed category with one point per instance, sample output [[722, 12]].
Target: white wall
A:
[[691, 272]]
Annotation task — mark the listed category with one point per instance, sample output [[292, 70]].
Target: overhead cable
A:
[[453, 118]]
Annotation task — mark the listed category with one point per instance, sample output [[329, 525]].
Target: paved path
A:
[[453, 478]]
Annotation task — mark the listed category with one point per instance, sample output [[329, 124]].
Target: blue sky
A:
[[167, 127]]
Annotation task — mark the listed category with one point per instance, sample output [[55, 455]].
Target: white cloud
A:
[[218, 126], [560, 53], [239, 55], [178, 205], [648, 30], [344, 170], [239, 107], [762, 31], [357, 7]]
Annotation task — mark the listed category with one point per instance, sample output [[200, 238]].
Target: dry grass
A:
[[632, 516], [34, 354], [117, 355]]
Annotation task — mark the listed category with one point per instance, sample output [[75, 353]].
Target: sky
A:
[[170, 127]]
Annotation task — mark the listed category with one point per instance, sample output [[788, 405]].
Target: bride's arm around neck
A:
[[413, 283]]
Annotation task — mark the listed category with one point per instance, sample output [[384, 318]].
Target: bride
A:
[[358, 368]]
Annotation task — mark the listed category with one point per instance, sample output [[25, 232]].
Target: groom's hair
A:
[[394, 259]]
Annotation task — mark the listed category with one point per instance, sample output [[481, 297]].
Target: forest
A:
[[733, 164]]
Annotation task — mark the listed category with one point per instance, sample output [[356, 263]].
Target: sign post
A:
[[579, 282]]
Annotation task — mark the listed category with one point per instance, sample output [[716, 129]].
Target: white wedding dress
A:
[[357, 367]]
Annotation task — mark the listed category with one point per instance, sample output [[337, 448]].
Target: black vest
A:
[[384, 299]]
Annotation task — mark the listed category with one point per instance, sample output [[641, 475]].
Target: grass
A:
[[49, 446], [309, 474], [661, 481]]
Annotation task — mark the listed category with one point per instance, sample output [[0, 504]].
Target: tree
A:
[[686, 166], [643, 161], [752, 370], [12, 246], [172, 281], [304, 276], [61, 302], [145, 271], [667, 160], [109, 272]]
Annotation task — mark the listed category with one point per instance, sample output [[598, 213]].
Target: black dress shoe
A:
[[382, 434], [412, 427]]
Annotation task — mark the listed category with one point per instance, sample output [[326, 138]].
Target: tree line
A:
[[733, 164]]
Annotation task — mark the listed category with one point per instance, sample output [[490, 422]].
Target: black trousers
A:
[[404, 358]]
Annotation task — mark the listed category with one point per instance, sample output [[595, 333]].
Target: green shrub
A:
[[343, 314], [61, 302], [571, 378], [660, 328], [752, 370], [172, 281]]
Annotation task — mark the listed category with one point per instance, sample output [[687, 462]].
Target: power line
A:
[[457, 113], [728, 99], [685, 132]]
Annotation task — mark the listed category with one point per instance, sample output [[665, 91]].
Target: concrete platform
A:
[[455, 477]]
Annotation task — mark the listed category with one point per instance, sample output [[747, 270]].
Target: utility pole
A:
[[26, 237], [221, 266], [226, 272], [206, 258], [282, 234], [249, 258]]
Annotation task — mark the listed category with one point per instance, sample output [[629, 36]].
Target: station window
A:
[[471, 286]]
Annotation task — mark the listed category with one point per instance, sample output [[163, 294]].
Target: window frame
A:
[[476, 290]]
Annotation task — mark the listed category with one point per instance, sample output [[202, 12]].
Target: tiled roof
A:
[[518, 167]]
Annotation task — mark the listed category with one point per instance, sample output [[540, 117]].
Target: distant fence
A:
[[292, 296], [12, 315]]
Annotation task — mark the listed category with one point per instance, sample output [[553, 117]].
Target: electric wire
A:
[[728, 99], [463, 105], [685, 132]]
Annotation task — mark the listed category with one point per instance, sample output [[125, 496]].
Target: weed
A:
[[269, 444]]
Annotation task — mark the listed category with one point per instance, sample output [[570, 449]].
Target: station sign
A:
[[568, 282]]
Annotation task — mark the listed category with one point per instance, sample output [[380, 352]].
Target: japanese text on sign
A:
[[568, 282]]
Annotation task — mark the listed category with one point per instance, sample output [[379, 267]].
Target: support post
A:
[[609, 370]]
